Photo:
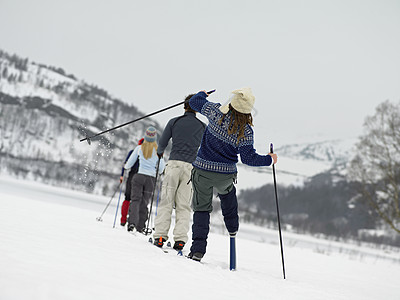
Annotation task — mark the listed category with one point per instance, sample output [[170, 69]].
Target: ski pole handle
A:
[[210, 92], [271, 148]]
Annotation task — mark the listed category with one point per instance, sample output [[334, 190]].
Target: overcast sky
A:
[[317, 68]]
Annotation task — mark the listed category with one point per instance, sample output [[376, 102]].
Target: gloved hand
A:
[[160, 155], [121, 179]]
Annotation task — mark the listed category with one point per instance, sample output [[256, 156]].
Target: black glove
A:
[[160, 155]]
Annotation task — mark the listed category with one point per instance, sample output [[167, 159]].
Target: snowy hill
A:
[[56, 249], [299, 162], [43, 114]]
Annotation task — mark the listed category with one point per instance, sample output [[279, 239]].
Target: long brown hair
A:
[[238, 122], [147, 148]]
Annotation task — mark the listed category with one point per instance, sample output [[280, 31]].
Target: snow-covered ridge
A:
[[44, 112], [298, 162], [21, 78], [334, 151]]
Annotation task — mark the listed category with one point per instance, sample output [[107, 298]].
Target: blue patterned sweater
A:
[[218, 150]]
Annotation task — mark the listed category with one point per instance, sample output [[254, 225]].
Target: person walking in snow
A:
[[132, 171], [227, 135], [186, 132], [143, 181]]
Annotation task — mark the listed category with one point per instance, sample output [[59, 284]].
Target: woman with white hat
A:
[[144, 180], [227, 135]]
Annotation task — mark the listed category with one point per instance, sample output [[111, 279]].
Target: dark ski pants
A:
[[128, 187], [142, 189], [125, 204], [204, 183]]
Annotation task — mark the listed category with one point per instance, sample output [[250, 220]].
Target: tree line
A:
[[366, 200]]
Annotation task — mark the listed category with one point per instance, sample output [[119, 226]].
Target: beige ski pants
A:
[[176, 192]]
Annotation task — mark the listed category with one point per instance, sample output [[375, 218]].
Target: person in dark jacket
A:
[[227, 135], [186, 132], [132, 171]]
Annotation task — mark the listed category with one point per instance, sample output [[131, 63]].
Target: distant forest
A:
[[326, 205]]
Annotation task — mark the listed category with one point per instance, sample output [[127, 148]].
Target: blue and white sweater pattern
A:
[[220, 131], [219, 150]]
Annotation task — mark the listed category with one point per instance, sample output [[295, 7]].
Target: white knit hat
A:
[[242, 101]]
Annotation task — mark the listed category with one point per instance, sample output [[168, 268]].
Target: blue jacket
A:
[[218, 150]]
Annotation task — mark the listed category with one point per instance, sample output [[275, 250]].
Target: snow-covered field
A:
[[52, 247]]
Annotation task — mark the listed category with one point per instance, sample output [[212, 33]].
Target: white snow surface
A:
[[52, 247]]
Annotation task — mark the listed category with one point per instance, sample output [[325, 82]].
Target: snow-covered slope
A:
[[52, 247], [299, 162], [44, 112]]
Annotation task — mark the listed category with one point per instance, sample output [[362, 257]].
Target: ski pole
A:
[[116, 212], [88, 138], [158, 198], [148, 229], [99, 218], [277, 210], [232, 252]]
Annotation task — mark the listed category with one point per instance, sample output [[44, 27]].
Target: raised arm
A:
[[198, 101]]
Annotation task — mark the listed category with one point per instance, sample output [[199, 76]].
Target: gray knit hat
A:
[[150, 134]]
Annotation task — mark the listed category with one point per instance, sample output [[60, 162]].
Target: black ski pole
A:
[[148, 229], [279, 220], [116, 211], [88, 138], [232, 252], [99, 218]]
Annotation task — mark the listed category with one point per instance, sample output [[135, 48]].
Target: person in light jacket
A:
[[143, 181], [132, 171]]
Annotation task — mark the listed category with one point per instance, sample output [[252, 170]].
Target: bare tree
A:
[[377, 163]]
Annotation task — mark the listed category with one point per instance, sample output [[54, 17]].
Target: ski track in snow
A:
[[52, 247]]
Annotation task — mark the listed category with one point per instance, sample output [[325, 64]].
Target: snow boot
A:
[[159, 242], [196, 256], [131, 227], [178, 245]]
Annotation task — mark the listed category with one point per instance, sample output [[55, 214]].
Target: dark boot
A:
[[159, 242], [179, 245], [196, 256], [131, 227]]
